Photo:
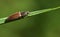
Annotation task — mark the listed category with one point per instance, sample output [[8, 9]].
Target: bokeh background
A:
[[42, 25]]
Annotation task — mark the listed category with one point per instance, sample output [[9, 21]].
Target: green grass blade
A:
[[2, 20], [42, 11]]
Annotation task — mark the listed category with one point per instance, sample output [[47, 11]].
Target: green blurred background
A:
[[42, 25]]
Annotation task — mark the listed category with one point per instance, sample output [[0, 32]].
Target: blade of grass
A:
[[2, 20], [42, 11]]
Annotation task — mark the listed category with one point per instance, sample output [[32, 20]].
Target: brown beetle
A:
[[15, 16]]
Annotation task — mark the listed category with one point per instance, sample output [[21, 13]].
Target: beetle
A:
[[16, 16]]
